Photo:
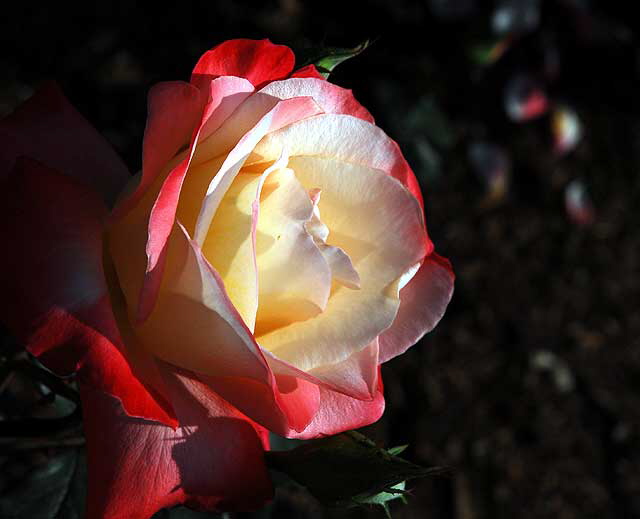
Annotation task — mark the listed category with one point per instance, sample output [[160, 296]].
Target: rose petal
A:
[[214, 460], [422, 304], [281, 115], [357, 376], [48, 129], [308, 71], [343, 137], [378, 223], [285, 407], [174, 111], [194, 311], [331, 98], [259, 61], [54, 293], [153, 210], [287, 295], [338, 413]]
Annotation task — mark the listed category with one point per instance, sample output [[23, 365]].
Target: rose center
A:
[[268, 243]]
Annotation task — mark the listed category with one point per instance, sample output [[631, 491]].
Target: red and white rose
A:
[[270, 255]]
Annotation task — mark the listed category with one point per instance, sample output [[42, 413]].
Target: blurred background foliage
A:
[[521, 121]]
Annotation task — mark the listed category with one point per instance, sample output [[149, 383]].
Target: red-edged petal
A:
[[174, 111], [217, 345], [54, 293], [164, 209], [357, 376], [423, 302], [48, 129], [130, 220], [308, 71], [342, 137], [331, 98], [338, 413], [259, 61], [214, 460]]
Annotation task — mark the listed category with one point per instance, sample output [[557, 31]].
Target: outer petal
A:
[[357, 376], [48, 129], [214, 460], [377, 222], [174, 111], [195, 325], [423, 303], [331, 98], [135, 234], [259, 61], [308, 71], [281, 115], [338, 413], [54, 294], [206, 335]]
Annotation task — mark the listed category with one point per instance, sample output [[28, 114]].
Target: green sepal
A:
[[395, 451], [329, 58], [347, 470]]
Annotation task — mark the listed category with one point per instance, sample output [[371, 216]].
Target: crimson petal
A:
[[54, 292], [48, 129], [214, 460], [259, 61]]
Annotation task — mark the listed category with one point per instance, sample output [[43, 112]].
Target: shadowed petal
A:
[[214, 460], [423, 302], [48, 129]]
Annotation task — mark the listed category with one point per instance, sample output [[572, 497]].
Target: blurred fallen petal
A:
[[524, 99], [560, 371], [566, 128], [492, 165], [516, 16], [488, 53], [578, 203]]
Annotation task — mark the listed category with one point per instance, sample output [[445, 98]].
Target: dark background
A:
[[529, 389]]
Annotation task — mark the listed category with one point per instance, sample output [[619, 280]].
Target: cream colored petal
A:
[[356, 376], [331, 98], [281, 115], [229, 246], [371, 216], [230, 243], [339, 262], [341, 137], [194, 324], [342, 269], [378, 223], [294, 279]]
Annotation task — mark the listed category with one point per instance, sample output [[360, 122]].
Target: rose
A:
[[269, 256]]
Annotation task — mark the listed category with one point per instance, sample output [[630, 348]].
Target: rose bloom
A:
[[270, 255]]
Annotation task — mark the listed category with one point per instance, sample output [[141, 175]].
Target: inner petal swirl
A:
[[269, 245]]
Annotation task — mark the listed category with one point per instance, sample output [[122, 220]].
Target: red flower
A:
[[270, 255]]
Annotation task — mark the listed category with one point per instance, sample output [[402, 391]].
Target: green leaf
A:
[[347, 470], [330, 58], [394, 451], [382, 499]]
